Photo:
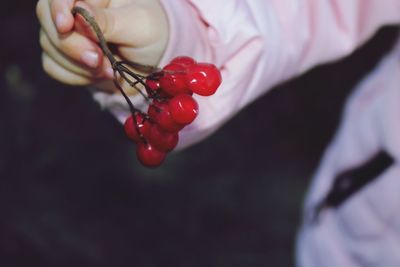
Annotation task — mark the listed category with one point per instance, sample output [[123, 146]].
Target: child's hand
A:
[[137, 28]]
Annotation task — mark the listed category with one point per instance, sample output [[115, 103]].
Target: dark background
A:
[[73, 194]]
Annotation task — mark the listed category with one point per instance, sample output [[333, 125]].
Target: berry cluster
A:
[[171, 107], [169, 93]]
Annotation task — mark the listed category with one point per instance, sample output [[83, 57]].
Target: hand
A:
[[138, 29]]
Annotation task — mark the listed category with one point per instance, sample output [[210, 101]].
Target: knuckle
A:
[[43, 41], [65, 46], [46, 65], [61, 75]]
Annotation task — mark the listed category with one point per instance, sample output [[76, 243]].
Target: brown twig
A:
[[118, 66]]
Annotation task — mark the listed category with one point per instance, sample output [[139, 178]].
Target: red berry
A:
[[173, 81], [141, 124], [184, 61], [160, 114], [154, 89], [162, 140], [203, 78], [149, 156], [183, 108], [154, 109], [153, 85]]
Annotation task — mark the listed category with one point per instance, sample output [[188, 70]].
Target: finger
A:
[[81, 49], [99, 3], [70, 64], [143, 55], [77, 47], [54, 70], [113, 24], [61, 12], [60, 74], [60, 58], [61, 15], [81, 25]]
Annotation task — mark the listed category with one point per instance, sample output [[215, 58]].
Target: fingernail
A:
[[60, 20], [109, 73], [90, 58]]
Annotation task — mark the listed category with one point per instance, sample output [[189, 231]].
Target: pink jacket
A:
[[259, 44], [364, 231]]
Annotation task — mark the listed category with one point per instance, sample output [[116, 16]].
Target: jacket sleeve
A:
[[260, 43]]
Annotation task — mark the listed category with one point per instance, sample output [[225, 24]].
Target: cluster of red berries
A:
[[169, 94], [172, 107]]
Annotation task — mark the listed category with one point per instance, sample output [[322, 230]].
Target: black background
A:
[[73, 194]]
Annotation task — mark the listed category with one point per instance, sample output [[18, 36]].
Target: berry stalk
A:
[[118, 66]]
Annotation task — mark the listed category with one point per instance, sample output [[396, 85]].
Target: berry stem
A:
[[138, 66], [119, 68], [117, 65], [130, 104], [92, 22]]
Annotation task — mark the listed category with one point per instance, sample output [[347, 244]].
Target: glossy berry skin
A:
[[149, 156], [183, 108], [162, 140], [153, 85], [184, 61], [173, 81], [160, 114], [154, 109], [172, 106], [142, 125], [203, 79], [154, 89]]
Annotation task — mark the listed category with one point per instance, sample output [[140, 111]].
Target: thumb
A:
[[129, 25], [61, 12]]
